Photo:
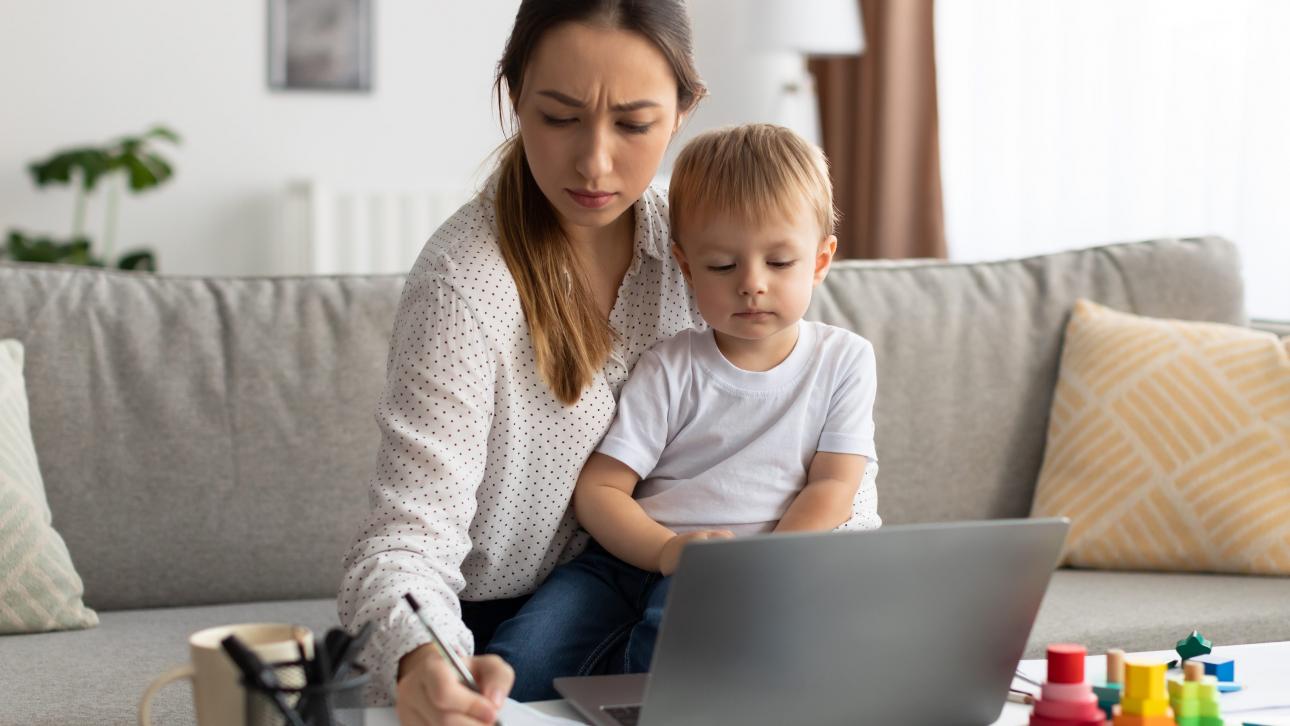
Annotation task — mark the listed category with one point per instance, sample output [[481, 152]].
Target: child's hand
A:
[[671, 553]]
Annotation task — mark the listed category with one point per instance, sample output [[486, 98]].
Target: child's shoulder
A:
[[832, 339]]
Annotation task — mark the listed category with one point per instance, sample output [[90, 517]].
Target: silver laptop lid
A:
[[904, 624]]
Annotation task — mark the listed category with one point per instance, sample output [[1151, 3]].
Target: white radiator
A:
[[329, 228]]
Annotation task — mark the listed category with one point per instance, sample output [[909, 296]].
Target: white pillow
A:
[[39, 588]]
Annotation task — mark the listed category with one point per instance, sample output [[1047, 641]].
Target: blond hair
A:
[[757, 172], [571, 337]]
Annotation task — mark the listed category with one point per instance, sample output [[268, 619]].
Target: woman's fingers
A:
[[447, 695], [495, 677]]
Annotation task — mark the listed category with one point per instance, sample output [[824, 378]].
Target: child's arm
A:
[[604, 506], [825, 502]]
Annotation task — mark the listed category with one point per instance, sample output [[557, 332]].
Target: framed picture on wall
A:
[[320, 45]]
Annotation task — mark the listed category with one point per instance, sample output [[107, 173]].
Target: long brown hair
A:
[[571, 337]]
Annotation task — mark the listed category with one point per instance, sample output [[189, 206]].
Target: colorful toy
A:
[[1065, 699], [1144, 702], [1193, 645], [1108, 693], [1195, 699], [1224, 669]]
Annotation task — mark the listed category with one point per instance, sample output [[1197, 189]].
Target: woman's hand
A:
[[671, 554], [431, 694]]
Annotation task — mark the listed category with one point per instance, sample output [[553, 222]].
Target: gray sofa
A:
[[205, 445]]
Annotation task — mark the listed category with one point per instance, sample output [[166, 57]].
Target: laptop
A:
[[916, 624]]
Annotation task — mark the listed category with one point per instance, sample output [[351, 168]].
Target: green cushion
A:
[[39, 589]]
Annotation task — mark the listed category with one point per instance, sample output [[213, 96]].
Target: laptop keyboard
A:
[[625, 715]]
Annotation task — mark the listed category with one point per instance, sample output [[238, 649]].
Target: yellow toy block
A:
[[1144, 706], [1144, 680]]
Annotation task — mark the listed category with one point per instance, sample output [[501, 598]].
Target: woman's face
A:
[[596, 111]]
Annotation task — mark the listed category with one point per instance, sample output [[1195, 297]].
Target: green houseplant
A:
[[131, 162]]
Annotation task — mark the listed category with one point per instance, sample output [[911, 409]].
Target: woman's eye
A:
[[635, 128], [557, 121], [721, 268], [781, 264]]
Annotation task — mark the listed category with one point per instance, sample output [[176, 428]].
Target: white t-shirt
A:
[[720, 447]]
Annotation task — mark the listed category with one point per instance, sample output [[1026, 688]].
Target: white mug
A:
[[218, 696]]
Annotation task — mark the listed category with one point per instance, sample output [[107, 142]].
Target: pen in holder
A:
[[329, 703]]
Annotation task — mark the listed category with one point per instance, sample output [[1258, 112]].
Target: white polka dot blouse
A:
[[478, 459]]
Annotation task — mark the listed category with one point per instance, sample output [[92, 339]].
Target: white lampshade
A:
[[810, 27]]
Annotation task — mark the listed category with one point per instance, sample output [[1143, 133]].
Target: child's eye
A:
[[782, 264], [557, 121], [721, 268]]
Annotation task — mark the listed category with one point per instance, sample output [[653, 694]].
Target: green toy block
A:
[[1194, 645]]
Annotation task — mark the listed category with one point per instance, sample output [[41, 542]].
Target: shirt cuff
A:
[[835, 443], [635, 459]]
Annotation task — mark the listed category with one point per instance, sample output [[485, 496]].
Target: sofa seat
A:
[[1140, 611], [97, 676]]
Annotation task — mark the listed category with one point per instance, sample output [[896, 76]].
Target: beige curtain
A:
[[878, 116]]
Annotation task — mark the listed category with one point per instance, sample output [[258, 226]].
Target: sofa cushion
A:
[[39, 587], [223, 428], [1140, 611], [97, 676], [967, 357], [1169, 446]]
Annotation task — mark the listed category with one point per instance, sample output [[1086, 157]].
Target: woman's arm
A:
[[435, 409], [825, 502]]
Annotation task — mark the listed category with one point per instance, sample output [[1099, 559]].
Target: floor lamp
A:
[[804, 28]]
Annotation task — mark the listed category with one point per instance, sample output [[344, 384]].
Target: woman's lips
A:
[[591, 200]]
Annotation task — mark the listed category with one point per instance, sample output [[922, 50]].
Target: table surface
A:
[[1262, 669]]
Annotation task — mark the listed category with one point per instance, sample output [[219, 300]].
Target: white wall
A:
[[1071, 122], [81, 72]]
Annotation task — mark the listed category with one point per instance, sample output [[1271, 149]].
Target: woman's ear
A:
[[824, 257]]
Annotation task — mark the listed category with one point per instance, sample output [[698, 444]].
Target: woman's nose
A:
[[594, 158]]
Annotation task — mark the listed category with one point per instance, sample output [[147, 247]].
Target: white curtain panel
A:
[[1071, 122]]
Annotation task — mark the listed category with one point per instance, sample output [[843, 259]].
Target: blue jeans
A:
[[594, 615]]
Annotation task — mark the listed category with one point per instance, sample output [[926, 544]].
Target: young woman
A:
[[517, 325]]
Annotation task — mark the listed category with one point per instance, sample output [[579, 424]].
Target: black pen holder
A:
[[331, 703]]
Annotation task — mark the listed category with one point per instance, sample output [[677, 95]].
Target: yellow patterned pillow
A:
[[1169, 445]]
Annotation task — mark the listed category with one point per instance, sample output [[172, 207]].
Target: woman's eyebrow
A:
[[575, 103]]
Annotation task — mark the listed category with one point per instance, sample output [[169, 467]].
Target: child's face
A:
[[751, 280]]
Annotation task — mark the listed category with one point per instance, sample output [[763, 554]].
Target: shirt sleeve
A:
[[640, 428], [434, 418], [849, 428]]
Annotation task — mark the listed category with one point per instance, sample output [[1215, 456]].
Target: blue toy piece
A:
[[1224, 669]]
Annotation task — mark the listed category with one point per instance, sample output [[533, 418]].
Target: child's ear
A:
[[679, 254], [824, 257]]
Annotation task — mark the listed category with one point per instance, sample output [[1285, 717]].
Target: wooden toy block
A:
[[1069, 710], [1224, 669], [1067, 692], [1193, 671], [1115, 666], [1144, 706], [1108, 692], [1066, 663], [1046, 721], [1185, 690], [1124, 719], [1144, 681], [1193, 645]]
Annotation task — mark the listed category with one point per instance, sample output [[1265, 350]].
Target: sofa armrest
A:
[[1280, 327]]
